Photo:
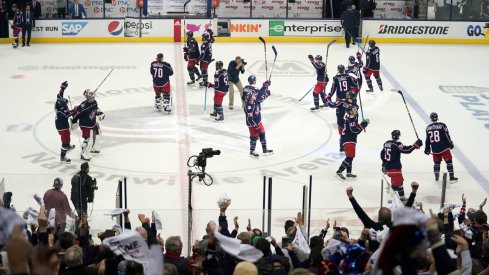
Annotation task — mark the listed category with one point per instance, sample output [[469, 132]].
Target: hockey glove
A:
[[185, 56], [185, 49], [365, 123], [451, 146], [210, 85], [197, 62], [267, 83], [384, 170], [427, 150], [268, 93], [310, 57], [418, 143], [364, 70], [326, 78], [64, 85], [359, 56], [73, 124]]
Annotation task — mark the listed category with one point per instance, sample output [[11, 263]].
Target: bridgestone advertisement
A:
[[305, 28]]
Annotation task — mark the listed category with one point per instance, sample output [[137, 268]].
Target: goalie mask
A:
[[89, 94]]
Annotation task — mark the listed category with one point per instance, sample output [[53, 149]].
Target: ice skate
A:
[[254, 154], [65, 159], [351, 176], [370, 90], [437, 177], [380, 88], [85, 157], [219, 118], [453, 179], [315, 108], [340, 176], [267, 152], [231, 107], [192, 82], [199, 77], [213, 114], [203, 83]]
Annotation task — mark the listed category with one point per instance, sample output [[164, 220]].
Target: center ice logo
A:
[[115, 28], [72, 28]]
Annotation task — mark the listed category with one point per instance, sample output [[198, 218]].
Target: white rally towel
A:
[[133, 247], [39, 200], [8, 219], [31, 216], [300, 241], [234, 247], [116, 212], [157, 221], [52, 218]]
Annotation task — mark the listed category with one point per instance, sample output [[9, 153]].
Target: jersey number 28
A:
[[434, 136]]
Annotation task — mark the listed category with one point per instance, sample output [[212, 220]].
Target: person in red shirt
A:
[[55, 198]]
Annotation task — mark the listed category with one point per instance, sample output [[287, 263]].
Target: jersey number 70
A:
[[158, 72]]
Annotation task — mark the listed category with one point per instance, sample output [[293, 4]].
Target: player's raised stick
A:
[[265, 48], [405, 104], [184, 15], [273, 65], [103, 80]]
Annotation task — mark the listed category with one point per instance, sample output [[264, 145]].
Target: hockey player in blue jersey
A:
[[342, 84], [205, 57], [221, 87], [372, 66], [439, 144], [349, 140], [87, 114], [322, 80], [161, 72], [63, 113], [191, 54], [391, 160], [354, 68], [253, 99]]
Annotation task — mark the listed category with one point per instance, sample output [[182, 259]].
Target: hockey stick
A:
[[307, 93], [103, 81], [184, 16], [405, 104], [361, 106], [274, 59], [326, 60], [205, 99], [265, 47]]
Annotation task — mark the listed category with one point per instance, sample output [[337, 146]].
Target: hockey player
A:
[[62, 125], [87, 113], [191, 54], [161, 72], [342, 84], [354, 69], [253, 99], [221, 86], [205, 57], [349, 140], [391, 160], [439, 143], [322, 80], [17, 23], [372, 66]]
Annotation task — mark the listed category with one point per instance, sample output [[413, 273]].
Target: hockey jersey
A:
[[343, 83], [320, 69], [161, 72], [353, 69], [351, 129], [373, 58], [253, 100], [62, 113], [192, 49], [86, 113], [438, 138], [206, 52], [221, 83], [391, 154]]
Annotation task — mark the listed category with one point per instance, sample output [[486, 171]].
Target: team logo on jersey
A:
[[115, 28], [72, 28]]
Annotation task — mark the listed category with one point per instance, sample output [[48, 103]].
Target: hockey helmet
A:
[[190, 34], [63, 102], [351, 59], [434, 116], [206, 37], [350, 96], [371, 43], [318, 57], [395, 134], [89, 94], [341, 69], [159, 56], [219, 65], [252, 79]]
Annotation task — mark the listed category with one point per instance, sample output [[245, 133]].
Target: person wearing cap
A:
[[57, 199]]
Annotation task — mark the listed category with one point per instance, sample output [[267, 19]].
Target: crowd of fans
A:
[[403, 240]]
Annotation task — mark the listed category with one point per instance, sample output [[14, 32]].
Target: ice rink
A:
[[151, 149]]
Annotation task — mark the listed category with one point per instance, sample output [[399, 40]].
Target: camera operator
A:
[[235, 67], [82, 189]]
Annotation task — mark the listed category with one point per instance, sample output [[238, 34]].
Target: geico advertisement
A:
[[134, 27]]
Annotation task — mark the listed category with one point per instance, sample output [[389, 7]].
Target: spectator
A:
[[36, 8], [55, 198], [235, 67], [173, 255], [61, 7], [368, 10], [4, 29], [74, 262], [77, 10], [349, 22], [441, 10]]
